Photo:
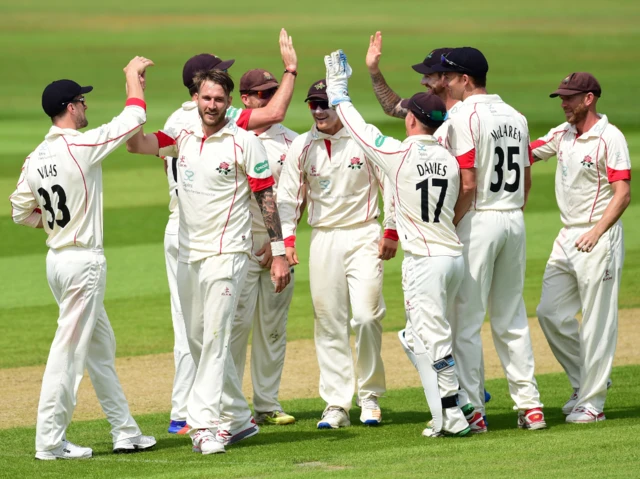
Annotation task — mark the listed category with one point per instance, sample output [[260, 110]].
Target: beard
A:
[[578, 114], [81, 123], [213, 121]]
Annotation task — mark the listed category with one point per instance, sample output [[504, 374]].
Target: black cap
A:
[[202, 62], [428, 108], [318, 91], [57, 95], [579, 82], [466, 60], [431, 60]]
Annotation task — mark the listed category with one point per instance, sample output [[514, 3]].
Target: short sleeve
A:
[[617, 157], [547, 146], [462, 136], [255, 163]]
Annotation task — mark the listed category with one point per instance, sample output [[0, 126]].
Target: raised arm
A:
[[276, 109], [388, 99]]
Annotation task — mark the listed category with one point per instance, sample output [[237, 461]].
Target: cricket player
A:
[[391, 103], [425, 179], [585, 266], [259, 305], [60, 190], [219, 166], [491, 143], [187, 118], [345, 266]]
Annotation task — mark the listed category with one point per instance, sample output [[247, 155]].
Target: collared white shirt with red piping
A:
[[342, 184], [492, 137], [216, 176], [587, 165], [425, 181], [62, 180]]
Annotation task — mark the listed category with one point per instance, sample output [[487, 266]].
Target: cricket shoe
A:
[[430, 432], [205, 442], [67, 450], [573, 400], [476, 420], [585, 415], [531, 419], [279, 418], [178, 427], [134, 444], [247, 430], [334, 417], [370, 413]]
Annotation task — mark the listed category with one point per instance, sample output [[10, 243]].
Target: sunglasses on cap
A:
[[446, 62], [321, 104], [263, 94], [434, 115]]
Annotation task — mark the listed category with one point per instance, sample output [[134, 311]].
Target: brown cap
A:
[[427, 107], [202, 62], [579, 82], [257, 80], [318, 91]]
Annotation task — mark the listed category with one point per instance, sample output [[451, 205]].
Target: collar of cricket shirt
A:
[[272, 131], [318, 135], [230, 128], [421, 139], [483, 98], [189, 105], [57, 131], [595, 131]]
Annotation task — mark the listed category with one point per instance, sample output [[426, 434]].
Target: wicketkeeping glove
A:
[[338, 73]]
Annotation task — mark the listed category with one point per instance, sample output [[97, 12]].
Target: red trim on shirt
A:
[[391, 234], [598, 170], [468, 160], [327, 144], [259, 184], [136, 102], [38, 210], [618, 175], [108, 141], [243, 119], [290, 241], [164, 140], [202, 143], [305, 151], [538, 143], [86, 192], [233, 200], [368, 192], [531, 158]]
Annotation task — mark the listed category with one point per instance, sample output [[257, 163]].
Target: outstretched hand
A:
[[338, 72], [138, 65], [374, 53], [289, 57]]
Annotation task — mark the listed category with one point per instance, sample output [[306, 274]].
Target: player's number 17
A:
[[443, 184]]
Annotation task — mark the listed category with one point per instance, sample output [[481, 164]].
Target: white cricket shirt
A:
[[216, 175], [492, 137], [342, 185], [587, 165], [62, 180], [425, 180]]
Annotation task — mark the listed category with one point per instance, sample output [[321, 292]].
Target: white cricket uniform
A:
[[61, 184], [184, 118], [260, 306], [425, 181], [492, 137], [344, 269], [587, 165], [216, 175]]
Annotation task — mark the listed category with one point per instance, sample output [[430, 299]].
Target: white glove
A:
[[338, 73]]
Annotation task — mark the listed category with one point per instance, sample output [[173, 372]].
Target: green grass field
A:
[[530, 48]]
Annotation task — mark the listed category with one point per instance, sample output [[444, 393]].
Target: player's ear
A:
[[589, 99]]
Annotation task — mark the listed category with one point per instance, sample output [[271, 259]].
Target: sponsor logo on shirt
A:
[[188, 175], [607, 276], [223, 169], [324, 184], [587, 162], [407, 305], [226, 292], [313, 171], [380, 140], [261, 167], [182, 163], [355, 163]]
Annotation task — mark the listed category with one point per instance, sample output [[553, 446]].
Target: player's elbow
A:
[[468, 187]]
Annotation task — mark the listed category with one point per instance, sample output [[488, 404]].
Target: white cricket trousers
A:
[[495, 260], [264, 309], [77, 278], [185, 368], [430, 286], [591, 281], [344, 270], [209, 291]]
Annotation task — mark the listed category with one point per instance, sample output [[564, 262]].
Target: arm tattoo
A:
[[388, 99], [270, 215]]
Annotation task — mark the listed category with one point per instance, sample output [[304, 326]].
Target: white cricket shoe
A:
[[247, 430], [430, 432], [67, 450], [334, 417], [134, 444], [573, 400], [371, 415], [205, 442], [584, 415]]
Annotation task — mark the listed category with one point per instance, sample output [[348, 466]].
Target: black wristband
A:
[[294, 73]]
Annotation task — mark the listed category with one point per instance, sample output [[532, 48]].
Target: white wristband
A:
[[277, 248]]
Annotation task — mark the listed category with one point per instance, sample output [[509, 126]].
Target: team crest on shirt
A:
[[182, 162], [607, 276], [282, 158], [407, 305], [587, 162], [223, 169], [355, 163]]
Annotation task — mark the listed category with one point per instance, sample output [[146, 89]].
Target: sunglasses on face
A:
[[446, 62], [321, 104], [264, 94], [75, 100]]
